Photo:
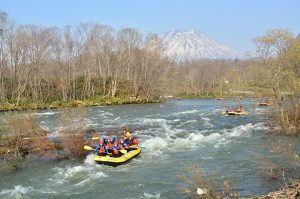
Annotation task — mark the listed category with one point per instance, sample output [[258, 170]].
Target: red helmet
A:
[[135, 142], [115, 143]]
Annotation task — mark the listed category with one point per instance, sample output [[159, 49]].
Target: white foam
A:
[[148, 195], [66, 174], [17, 192], [212, 137], [155, 144], [186, 112], [216, 111], [181, 143], [205, 118], [90, 159], [91, 178], [55, 132], [241, 130], [47, 113], [105, 114], [161, 122], [195, 137], [187, 122], [206, 122], [260, 126]]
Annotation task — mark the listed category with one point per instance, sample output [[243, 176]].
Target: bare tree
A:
[[3, 24]]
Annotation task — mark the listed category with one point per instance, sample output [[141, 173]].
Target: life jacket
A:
[[102, 149], [109, 145], [122, 147], [116, 150], [128, 142]]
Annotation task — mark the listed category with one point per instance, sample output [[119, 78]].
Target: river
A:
[[173, 134]]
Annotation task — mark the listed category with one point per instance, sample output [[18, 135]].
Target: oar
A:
[[95, 138], [88, 148], [123, 151], [133, 146]]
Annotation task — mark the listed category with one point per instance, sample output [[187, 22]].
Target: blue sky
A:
[[231, 22]]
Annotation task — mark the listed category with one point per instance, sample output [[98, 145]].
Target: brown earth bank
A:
[[289, 191]]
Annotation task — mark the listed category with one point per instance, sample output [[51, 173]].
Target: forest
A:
[[92, 61]]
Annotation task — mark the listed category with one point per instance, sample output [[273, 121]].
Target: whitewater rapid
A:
[[171, 135]]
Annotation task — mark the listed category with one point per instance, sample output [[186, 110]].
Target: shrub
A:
[[20, 137], [201, 187]]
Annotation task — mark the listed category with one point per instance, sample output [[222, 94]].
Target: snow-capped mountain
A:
[[190, 45]]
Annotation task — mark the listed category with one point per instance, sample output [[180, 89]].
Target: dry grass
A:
[[72, 134], [228, 189], [21, 136], [269, 170], [193, 177], [73, 143], [287, 149], [289, 191]]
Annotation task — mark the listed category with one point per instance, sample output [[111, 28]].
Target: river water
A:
[[173, 134]]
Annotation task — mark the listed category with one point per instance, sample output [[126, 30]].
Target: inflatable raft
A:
[[116, 161], [264, 104], [234, 113]]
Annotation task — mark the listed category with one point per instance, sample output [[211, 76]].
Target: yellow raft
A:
[[111, 161], [264, 104], [235, 113]]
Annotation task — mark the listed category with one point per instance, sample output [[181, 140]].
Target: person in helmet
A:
[[109, 145], [241, 109], [122, 144], [128, 141], [126, 134], [116, 150], [135, 142], [101, 148]]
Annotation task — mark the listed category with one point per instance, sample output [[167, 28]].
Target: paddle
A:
[[88, 148], [123, 151], [133, 146]]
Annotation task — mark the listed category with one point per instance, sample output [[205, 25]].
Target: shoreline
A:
[[26, 106], [103, 101]]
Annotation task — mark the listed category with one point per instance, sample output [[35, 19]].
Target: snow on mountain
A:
[[190, 45]]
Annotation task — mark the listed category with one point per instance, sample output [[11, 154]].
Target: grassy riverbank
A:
[[97, 101], [215, 96]]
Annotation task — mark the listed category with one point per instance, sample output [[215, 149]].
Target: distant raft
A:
[[234, 113], [264, 104], [116, 161]]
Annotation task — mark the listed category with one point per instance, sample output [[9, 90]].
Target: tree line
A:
[[41, 63], [278, 60], [69, 63]]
